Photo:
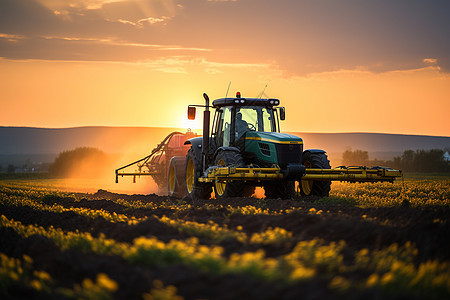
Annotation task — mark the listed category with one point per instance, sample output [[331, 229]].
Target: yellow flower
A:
[[300, 272], [340, 283], [104, 281], [87, 283], [27, 259], [372, 280], [35, 284], [387, 277], [42, 275]]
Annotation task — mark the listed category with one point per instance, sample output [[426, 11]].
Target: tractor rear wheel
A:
[[315, 187], [231, 188], [283, 190], [175, 176], [195, 189]]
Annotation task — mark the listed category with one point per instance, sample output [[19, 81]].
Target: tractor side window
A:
[[217, 132], [223, 128], [267, 121], [275, 121]]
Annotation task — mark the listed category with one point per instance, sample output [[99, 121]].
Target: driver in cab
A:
[[241, 126]]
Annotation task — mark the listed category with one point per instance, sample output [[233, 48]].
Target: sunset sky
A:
[[337, 66]]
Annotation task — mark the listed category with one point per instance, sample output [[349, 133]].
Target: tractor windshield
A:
[[247, 118], [254, 118]]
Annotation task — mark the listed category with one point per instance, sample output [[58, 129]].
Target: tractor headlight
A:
[[242, 101], [236, 101], [272, 102], [276, 102]]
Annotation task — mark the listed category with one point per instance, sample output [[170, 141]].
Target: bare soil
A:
[[337, 222]]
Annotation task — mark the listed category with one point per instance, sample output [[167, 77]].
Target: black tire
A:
[[315, 187], [193, 188], [232, 188], [175, 177], [283, 190]]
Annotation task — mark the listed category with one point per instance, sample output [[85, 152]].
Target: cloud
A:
[[12, 38], [185, 65], [305, 37], [25, 17], [82, 4], [151, 20], [141, 22], [90, 49], [117, 42], [213, 71], [300, 37], [430, 60]]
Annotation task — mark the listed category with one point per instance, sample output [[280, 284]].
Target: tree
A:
[[11, 168], [433, 160], [407, 160], [422, 161], [355, 158], [79, 162]]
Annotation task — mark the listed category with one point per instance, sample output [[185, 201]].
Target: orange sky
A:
[[345, 66]]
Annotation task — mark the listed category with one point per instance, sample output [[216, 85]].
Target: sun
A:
[[192, 124]]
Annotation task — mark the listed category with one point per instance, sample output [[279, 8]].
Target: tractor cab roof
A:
[[245, 102]]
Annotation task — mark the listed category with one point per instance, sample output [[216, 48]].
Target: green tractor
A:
[[245, 149]]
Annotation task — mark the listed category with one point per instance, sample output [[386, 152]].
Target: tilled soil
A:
[[371, 228]]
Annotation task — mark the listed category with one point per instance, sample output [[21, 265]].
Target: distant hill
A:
[[26, 140], [45, 143], [19, 145]]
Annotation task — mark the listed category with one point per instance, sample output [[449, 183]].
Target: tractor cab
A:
[[235, 117], [252, 125]]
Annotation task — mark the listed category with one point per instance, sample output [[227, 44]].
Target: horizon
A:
[[200, 129], [342, 67]]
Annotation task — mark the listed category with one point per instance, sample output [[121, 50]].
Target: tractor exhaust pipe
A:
[[206, 121]]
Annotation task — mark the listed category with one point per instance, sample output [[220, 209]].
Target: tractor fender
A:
[[228, 149], [195, 141], [315, 151], [196, 145]]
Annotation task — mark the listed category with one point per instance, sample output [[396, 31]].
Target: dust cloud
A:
[[96, 170], [89, 176]]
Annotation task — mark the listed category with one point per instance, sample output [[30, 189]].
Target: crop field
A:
[[365, 241]]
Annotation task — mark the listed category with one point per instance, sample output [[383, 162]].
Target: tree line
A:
[[89, 161], [79, 162], [433, 160], [9, 169]]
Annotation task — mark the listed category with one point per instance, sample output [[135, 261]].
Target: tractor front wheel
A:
[[315, 187], [195, 189], [230, 188]]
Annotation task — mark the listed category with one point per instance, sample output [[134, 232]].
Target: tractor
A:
[[245, 149]]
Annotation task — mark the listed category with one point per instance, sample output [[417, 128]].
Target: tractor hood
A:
[[273, 137], [269, 148]]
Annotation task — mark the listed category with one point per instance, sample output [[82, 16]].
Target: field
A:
[[365, 241]]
